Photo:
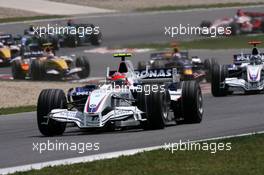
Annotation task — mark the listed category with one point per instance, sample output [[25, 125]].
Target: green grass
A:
[[31, 18], [246, 157], [186, 7], [235, 42], [13, 110]]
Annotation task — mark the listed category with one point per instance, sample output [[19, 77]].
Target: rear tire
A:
[[156, 105], [50, 99], [96, 40], [262, 25], [235, 29], [205, 24], [37, 70], [17, 72], [191, 102]]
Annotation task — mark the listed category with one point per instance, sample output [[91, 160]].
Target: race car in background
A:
[[8, 49], [37, 64], [246, 74], [242, 22], [79, 39], [189, 68], [70, 35], [124, 100]]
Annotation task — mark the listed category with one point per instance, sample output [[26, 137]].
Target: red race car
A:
[[242, 22]]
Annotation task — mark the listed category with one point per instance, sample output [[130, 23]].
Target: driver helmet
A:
[[49, 53], [69, 22], [240, 13], [255, 59], [118, 79], [176, 50]]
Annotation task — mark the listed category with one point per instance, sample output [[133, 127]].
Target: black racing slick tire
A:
[[205, 24], [208, 68], [218, 76], [50, 99], [17, 72], [156, 106], [83, 63], [191, 102], [37, 70], [262, 26], [96, 39], [235, 29]]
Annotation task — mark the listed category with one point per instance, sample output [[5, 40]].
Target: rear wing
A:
[[33, 54], [5, 36], [6, 39], [254, 14], [155, 75], [162, 55]]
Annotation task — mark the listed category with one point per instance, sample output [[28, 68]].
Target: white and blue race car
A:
[[150, 99], [246, 74]]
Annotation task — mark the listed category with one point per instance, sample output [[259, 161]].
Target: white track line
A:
[[102, 156]]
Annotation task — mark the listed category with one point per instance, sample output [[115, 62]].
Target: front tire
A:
[[218, 76], [17, 72], [192, 102], [50, 99], [83, 63], [208, 63]]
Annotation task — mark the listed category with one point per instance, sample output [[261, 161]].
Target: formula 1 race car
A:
[[74, 39], [44, 65], [246, 74], [242, 22], [189, 68], [124, 100], [8, 49]]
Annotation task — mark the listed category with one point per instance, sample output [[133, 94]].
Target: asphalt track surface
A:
[[223, 116]]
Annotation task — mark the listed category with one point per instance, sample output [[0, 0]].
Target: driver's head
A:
[[255, 59], [175, 50], [31, 28], [175, 47], [239, 12], [118, 79], [69, 22], [49, 52]]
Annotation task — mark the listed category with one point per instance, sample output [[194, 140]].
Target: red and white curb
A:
[[105, 50], [90, 158]]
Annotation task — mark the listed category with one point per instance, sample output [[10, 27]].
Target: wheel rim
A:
[[164, 106], [200, 103]]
